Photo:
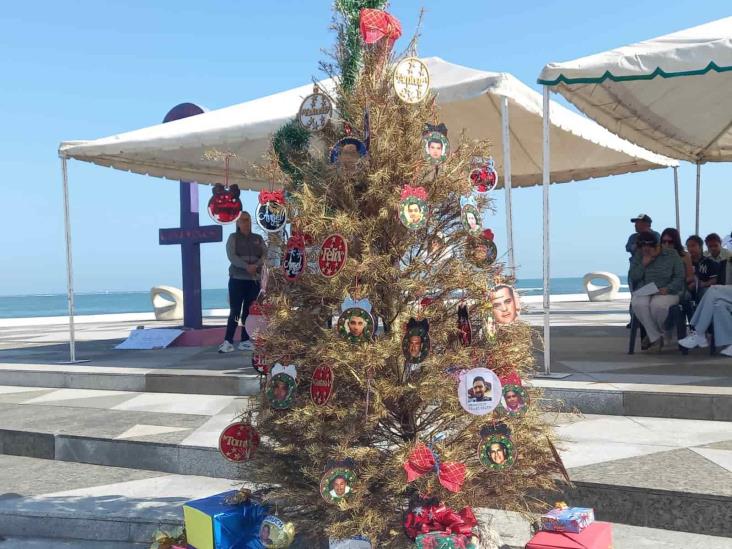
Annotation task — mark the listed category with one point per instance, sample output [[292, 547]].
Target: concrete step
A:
[[46, 543]]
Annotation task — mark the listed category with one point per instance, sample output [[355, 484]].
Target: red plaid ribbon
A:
[[440, 518], [422, 460], [377, 24], [271, 196]]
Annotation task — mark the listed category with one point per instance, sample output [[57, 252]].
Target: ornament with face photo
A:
[[333, 255], [275, 534], [483, 174], [470, 215], [411, 80], [271, 212], [479, 391], [465, 331], [505, 306], [435, 147], [338, 481], [515, 398], [356, 325], [496, 450], [416, 341], [224, 206], [280, 389], [315, 111], [481, 250], [347, 153], [413, 209], [294, 261]]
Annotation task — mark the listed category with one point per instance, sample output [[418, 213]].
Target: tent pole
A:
[[545, 183], [69, 264], [676, 194], [507, 182], [698, 193]]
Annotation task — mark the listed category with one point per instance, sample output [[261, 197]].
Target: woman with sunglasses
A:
[[662, 266], [670, 238]]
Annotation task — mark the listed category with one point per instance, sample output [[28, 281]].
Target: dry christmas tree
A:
[[395, 353]]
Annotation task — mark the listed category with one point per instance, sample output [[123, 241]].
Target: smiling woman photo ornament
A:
[[413, 209], [356, 324], [338, 481], [416, 341], [280, 389], [496, 450]]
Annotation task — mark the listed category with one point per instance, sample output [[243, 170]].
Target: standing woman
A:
[[246, 252]]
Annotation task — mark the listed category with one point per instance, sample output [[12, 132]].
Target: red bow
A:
[[377, 24], [440, 518], [297, 240], [511, 378], [488, 234], [271, 196], [419, 192], [422, 460]]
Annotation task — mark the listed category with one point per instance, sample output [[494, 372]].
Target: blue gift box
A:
[[570, 519], [213, 524]]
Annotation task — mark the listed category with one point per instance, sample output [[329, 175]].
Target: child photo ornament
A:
[[224, 206], [280, 389], [356, 324], [333, 255], [315, 111], [411, 80], [338, 481], [479, 391], [271, 212], [275, 534], [416, 341], [496, 450], [413, 208]]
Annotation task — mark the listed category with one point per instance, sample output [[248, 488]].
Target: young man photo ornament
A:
[[413, 208], [275, 534], [356, 324], [347, 152], [505, 306], [479, 391], [435, 147], [280, 389], [338, 481], [416, 341], [496, 450]]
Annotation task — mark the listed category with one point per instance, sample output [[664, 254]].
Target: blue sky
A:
[[87, 69]]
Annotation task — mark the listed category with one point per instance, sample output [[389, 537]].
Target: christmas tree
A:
[[415, 391]]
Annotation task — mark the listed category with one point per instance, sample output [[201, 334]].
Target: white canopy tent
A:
[[477, 101], [670, 94]]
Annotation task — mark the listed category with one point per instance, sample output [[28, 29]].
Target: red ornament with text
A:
[[321, 385], [333, 255], [224, 206], [294, 261], [238, 442]]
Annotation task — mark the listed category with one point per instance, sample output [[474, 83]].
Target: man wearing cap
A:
[[663, 267], [642, 224]]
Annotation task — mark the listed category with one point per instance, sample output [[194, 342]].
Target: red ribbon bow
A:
[[512, 378], [297, 240], [271, 196], [377, 24], [422, 460], [440, 518], [488, 234], [419, 192]]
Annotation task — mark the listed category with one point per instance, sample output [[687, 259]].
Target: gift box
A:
[[567, 519], [211, 523], [442, 540], [598, 535], [356, 542]]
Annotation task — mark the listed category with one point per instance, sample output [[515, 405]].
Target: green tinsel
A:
[[291, 139], [351, 56]]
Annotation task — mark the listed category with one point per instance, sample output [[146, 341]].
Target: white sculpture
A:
[[167, 302], [602, 293]]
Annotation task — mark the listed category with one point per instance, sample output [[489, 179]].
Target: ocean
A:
[[18, 306]]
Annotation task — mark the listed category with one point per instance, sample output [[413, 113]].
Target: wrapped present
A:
[[598, 535], [442, 540], [567, 519], [217, 522], [356, 542]]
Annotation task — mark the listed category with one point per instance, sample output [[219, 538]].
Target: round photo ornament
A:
[[416, 341], [321, 385], [347, 152], [483, 175], [224, 206], [479, 391], [356, 324], [315, 111], [496, 450], [238, 442], [515, 398], [271, 212], [435, 147], [333, 255], [470, 215], [481, 250], [338, 481], [411, 80], [275, 534], [280, 389], [413, 208]]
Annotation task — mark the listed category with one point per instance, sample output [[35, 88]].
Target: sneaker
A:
[[246, 346], [226, 347], [727, 351], [694, 340]]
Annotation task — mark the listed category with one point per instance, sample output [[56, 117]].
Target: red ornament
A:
[[224, 206], [321, 385], [512, 378], [260, 363], [377, 24], [333, 255], [238, 442], [294, 261]]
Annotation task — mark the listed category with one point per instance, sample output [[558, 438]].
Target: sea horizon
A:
[[138, 301]]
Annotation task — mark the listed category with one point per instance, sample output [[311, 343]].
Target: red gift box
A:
[[598, 535]]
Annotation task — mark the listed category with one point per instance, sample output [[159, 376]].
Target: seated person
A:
[[706, 270], [714, 245], [715, 309], [671, 239], [664, 268]]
